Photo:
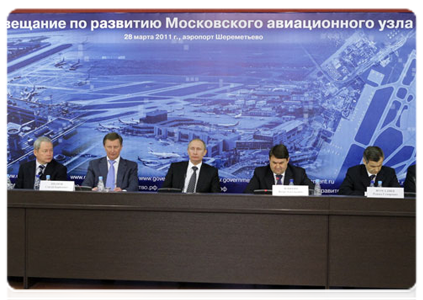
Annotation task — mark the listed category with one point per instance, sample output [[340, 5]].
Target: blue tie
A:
[[372, 177], [279, 179], [111, 176]]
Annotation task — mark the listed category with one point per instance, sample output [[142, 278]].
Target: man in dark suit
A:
[[410, 180], [358, 178], [278, 171], [193, 176], [118, 174], [43, 165]]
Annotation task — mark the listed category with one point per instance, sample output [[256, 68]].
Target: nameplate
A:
[[64, 186], [385, 192], [290, 190]]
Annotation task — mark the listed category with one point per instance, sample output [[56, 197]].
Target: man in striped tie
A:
[[43, 165]]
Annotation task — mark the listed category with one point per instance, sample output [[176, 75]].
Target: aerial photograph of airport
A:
[[326, 93]]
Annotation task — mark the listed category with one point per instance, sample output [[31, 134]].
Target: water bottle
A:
[[10, 185], [100, 185], [379, 183], [372, 183], [317, 188], [48, 177], [291, 181], [37, 182]]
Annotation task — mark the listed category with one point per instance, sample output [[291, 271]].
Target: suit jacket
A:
[[357, 180], [208, 180], [127, 175], [26, 174], [410, 180], [263, 178]]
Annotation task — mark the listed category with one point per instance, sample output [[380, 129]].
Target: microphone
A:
[[415, 183]]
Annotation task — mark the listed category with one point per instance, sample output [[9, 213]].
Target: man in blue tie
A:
[[359, 177], [118, 174]]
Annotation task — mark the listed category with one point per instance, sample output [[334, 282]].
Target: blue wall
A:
[[327, 93]]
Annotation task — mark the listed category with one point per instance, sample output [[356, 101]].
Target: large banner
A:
[[325, 84]]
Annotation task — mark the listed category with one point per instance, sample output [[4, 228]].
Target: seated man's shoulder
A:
[[96, 160], [355, 168], [207, 166], [55, 162], [179, 164], [130, 162], [411, 170], [58, 164], [414, 168], [26, 164], [262, 169], [296, 167], [388, 169]]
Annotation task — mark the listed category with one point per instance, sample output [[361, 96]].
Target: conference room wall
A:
[[327, 84]]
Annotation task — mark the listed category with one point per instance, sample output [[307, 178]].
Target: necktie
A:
[[40, 170], [192, 180], [279, 179], [38, 177], [110, 183], [372, 177]]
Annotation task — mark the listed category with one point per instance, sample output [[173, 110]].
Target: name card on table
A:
[[64, 186], [290, 190], [385, 192]]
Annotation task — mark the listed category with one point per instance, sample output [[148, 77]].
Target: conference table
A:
[[315, 241]]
